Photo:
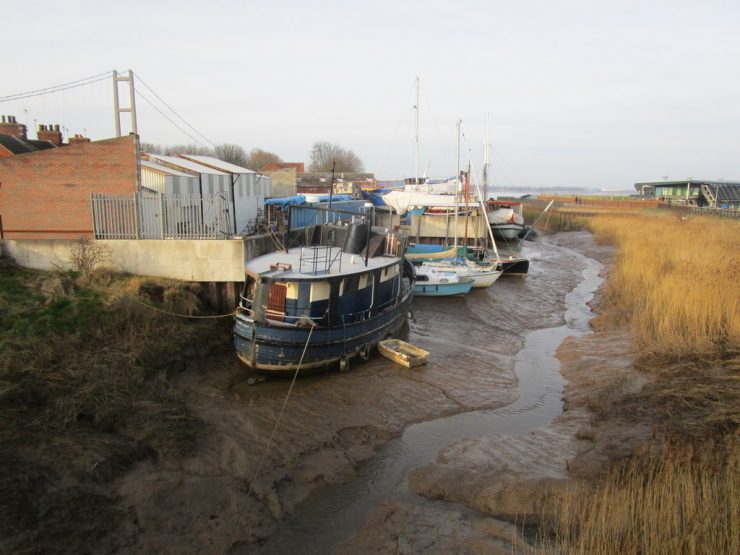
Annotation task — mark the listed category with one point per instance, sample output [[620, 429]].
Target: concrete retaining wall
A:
[[215, 261], [196, 260]]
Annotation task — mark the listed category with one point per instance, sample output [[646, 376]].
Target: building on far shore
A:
[[344, 182], [284, 176], [693, 192]]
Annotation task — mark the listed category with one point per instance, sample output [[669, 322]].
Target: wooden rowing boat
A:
[[403, 353]]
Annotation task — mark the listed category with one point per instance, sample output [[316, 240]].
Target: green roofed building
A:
[[693, 192]]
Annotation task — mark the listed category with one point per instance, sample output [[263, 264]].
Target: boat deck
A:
[[310, 262]]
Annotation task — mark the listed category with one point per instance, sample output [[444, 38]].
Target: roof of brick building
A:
[[16, 145]]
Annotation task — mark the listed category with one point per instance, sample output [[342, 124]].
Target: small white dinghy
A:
[[403, 353]]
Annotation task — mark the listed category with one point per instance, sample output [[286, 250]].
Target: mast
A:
[[457, 183], [488, 222], [416, 157], [486, 163], [467, 202]]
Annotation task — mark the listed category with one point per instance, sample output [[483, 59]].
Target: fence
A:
[[703, 211], [159, 216]]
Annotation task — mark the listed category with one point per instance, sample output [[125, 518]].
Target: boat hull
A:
[[514, 266], [507, 231], [485, 279], [482, 276], [277, 350], [443, 289], [403, 353]]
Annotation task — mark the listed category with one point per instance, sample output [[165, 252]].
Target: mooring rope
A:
[[276, 240], [282, 410], [180, 315]]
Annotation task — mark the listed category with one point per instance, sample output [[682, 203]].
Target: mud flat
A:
[[506, 480], [347, 441]]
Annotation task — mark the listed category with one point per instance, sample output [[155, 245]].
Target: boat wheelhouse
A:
[[322, 305]]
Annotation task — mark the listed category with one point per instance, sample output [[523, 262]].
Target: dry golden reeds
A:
[[677, 282], [680, 502]]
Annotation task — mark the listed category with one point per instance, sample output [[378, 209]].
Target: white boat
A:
[[483, 274], [431, 282], [506, 218]]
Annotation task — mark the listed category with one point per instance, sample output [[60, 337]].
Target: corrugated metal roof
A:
[[216, 163], [186, 164], [163, 169]]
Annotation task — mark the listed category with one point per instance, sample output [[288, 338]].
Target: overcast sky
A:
[[582, 93]]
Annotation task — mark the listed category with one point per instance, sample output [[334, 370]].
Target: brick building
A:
[[45, 188], [284, 176]]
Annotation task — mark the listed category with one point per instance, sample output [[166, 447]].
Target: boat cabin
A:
[[323, 285]]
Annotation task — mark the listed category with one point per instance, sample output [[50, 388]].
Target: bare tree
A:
[[232, 153], [323, 154], [173, 150], [259, 158], [151, 148], [86, 254]]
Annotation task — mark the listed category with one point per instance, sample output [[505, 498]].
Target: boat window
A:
[[320, 291], [292, 290], [350, 284]]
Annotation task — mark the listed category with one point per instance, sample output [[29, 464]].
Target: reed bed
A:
[[675, 282], [681, 502]]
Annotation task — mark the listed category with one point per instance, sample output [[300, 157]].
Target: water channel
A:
[[337, 511]]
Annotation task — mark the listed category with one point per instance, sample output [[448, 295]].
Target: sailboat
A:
[[435, 282], [484, 273]]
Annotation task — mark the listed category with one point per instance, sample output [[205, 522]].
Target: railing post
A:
[[137, 218], [161, 216]]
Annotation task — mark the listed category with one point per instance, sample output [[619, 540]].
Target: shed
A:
[[249, 188]]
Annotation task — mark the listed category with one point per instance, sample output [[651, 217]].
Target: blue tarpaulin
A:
[[304, 215], [285, 201]]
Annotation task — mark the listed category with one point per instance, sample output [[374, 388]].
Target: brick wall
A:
[[283, 182], [46, 194]]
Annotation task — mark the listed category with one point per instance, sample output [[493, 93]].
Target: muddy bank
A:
[[514, 478], [333, 423]]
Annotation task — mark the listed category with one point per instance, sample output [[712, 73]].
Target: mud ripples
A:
[[492, 374]]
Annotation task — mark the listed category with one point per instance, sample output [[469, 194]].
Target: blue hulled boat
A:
[[347, 298], [431, 282]]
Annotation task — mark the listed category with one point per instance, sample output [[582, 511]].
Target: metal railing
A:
[[160, 216], [319, 259]]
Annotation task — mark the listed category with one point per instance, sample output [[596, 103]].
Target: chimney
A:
[[50, 133], [9, 126], [77, 139]]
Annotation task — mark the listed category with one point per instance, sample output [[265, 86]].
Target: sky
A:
[[573, 93]]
